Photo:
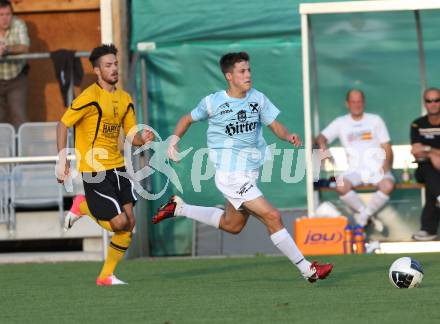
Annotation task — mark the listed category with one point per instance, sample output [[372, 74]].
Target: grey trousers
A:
[[13, 100]]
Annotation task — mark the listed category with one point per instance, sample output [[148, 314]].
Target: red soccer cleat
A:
[[321, 271], [109, 281], [167, 210]]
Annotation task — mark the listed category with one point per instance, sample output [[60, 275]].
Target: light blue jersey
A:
[[235, 135]]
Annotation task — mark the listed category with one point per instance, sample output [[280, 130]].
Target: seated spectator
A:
[[14, 39], [367, 144], [425, 146]]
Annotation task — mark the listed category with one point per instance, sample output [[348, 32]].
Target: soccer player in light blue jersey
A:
[[237, 148]]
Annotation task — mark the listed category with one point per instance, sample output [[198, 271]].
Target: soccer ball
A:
[[406, 273]]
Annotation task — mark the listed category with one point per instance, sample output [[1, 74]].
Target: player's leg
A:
[[110, 203], [378, 200], [429, 220], [381, 196], [346, 192], [266, 213], [80, 208], [229, 220], [123, 225], [97, 193], [104, 205], [233, 221], [176, 207], [431, 211], [271, 217]]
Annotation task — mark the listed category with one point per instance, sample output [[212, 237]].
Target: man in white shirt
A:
[[367, 144]]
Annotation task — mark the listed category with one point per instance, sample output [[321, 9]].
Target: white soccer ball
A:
[[406, 273]]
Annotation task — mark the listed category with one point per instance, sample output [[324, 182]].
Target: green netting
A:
[[376, 52], [431, 27], [178, 78], [174, 21]]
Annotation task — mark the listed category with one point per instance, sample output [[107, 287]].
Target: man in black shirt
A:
[[425, 146]]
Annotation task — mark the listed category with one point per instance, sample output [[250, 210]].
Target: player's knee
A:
[[117, 227], [343, 189], [232, 227], [119, 223], [386, 187], [131, 223], [274, 216], [236, 229]]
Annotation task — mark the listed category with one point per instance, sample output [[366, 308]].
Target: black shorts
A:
[[106, 198]]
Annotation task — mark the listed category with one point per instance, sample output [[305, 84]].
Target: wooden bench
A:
[[411, 185], [402, 158]]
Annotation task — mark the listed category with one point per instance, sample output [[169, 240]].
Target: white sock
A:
[[353, 201], [284, 242], [362, 217], [438, 200], [206, 215], [376, 202]]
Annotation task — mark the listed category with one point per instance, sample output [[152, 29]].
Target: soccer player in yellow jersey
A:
[[97, 116]]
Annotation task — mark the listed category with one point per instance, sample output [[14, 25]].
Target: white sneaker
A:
[[424, 236], [111, 280], [69, 220], [377, 224], [372, 246], [74, 213]]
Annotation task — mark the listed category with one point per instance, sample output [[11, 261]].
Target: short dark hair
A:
[[347, 95], [100, 51], [5, 3], [228, 60]]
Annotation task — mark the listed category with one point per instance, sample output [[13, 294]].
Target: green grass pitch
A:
[[226, 290]]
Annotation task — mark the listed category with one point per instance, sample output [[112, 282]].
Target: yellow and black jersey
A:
[[97, 116]]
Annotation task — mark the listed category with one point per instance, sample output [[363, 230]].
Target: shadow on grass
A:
[[215, 269]]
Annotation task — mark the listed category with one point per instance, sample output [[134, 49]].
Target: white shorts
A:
[[357, 178], [238, 187]]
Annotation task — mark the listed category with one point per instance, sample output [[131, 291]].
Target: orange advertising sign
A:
[[320, 236]]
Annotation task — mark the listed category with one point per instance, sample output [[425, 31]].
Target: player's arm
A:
[[22, 42], [15, 49], [419, 150], [143, 137], [433, 152], [434, 156], [425, 152], [22, 45], [78, 109], [146, 136], [388, 162], [325, 137], [182, 126], [62, 169], [130, 128], [283, 133], [322, 142]]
